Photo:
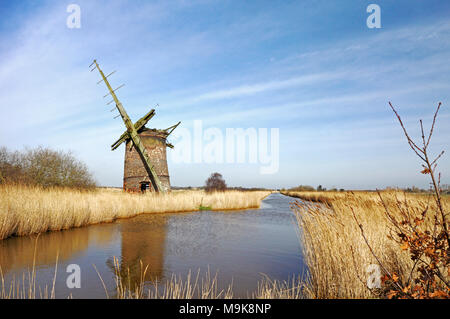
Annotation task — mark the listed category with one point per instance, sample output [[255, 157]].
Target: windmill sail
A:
[[133, 135]]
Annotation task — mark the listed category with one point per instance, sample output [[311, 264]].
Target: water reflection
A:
[[22, 252], [142, 246]]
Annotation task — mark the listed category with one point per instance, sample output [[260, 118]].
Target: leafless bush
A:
[[44, 167], [428, 243], [215, 183]]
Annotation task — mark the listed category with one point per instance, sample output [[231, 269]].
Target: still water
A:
[[241, 246]]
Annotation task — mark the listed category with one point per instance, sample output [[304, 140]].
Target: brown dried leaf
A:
[[405, 245]]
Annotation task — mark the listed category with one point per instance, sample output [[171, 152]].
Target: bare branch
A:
[[434, 121], [435, 160], [411, 143], [423, 135]]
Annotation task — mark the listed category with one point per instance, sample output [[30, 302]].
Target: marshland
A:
[[156, 253], [163, 150], [303, 245], [32, 210], [218, 243]]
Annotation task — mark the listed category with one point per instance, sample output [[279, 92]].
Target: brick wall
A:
[[134, 170]]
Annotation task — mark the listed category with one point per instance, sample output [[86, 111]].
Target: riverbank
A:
[[32, 210], [337, 256], [315, 197]]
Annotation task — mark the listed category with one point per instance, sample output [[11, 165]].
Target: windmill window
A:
[[145, 186]]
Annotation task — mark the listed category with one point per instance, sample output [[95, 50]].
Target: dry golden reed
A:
[[31, 210], [334, 250]]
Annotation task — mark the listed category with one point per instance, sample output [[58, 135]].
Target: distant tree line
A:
[[308, 188], [216, 183], [445, 189], [44, 167], [236, 188], [248, 189], [413, 189]]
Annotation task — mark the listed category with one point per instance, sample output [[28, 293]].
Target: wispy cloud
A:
[[251, 89]]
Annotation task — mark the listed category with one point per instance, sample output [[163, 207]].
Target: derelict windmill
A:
[[145, 151]]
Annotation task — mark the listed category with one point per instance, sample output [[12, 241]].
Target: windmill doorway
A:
[[145, 186]]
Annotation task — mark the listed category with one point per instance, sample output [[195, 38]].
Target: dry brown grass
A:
[[26, 287], [193, 286], [335, 251], [32, 210], [197, 286], [316, 197]]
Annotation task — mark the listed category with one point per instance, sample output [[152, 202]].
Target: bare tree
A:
[[44, 167], [11, 168], [215, 183]]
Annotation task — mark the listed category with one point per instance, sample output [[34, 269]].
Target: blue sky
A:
[[310, 68]]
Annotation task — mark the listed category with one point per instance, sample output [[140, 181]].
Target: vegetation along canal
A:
[[240, 246]]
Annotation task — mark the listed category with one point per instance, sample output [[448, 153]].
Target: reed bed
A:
[[316, 197], [25, 288], [337, 256], [32, 210], [192, 287], [294, 288]]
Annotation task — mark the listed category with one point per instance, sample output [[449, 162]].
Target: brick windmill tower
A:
[[145, 149]]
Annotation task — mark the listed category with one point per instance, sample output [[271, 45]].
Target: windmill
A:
[[145, 152]]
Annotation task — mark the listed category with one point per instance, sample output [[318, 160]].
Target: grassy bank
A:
[[31, 210], [335, 251]]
